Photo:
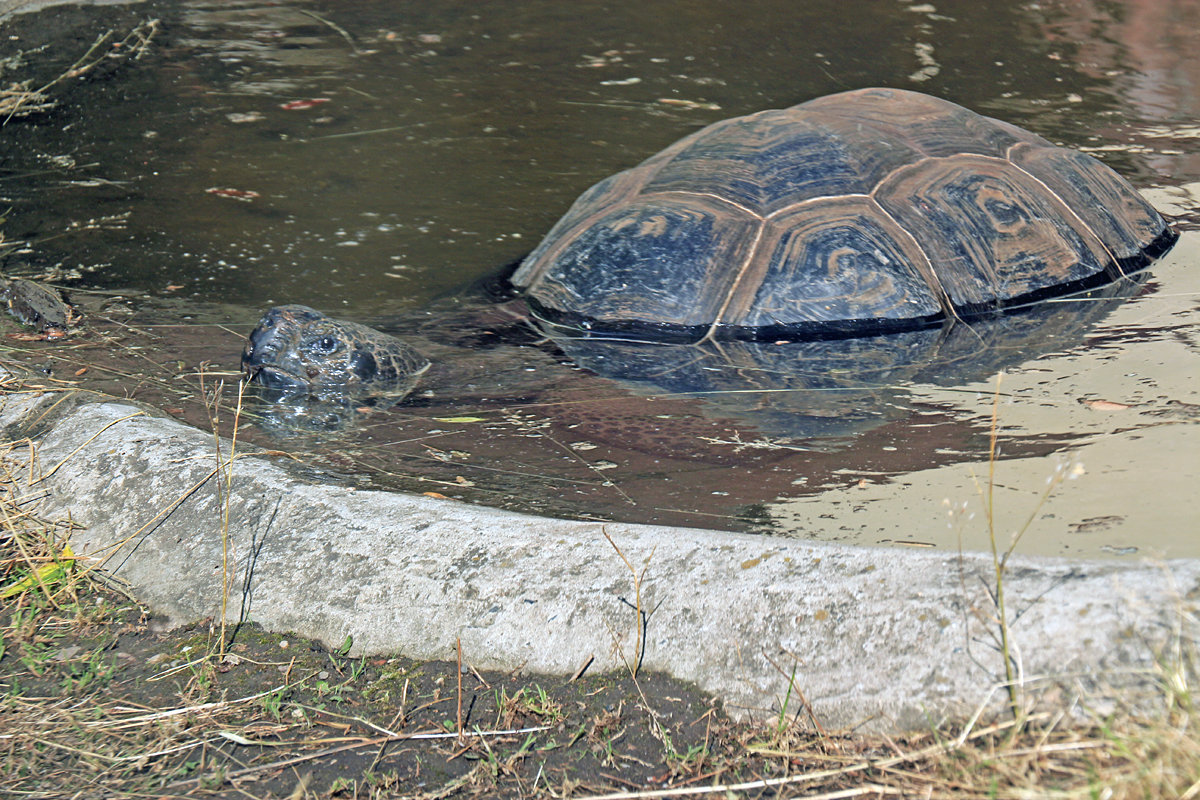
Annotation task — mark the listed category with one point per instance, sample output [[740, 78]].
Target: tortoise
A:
[[855, 214]]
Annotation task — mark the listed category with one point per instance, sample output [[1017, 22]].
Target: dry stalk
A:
[[334, 27], [89, 440], [224, 469], [19, 100], [220, 705], [804, 704], [1014, 699], [640, 616], [42, 547], [640, 623], [458, 674], [1002, 554], [226, 572], [856, 768], [360, 741]]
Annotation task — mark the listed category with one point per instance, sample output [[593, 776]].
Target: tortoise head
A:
[[296, 351]]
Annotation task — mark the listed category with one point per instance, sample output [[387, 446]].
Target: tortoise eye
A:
[[324, 345]]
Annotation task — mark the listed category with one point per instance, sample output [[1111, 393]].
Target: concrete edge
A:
[[889, 639]]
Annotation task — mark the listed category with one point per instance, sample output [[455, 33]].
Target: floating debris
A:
[[1139, 149], [19, 100], [1171, 131], [1092, 524], [607, 58], [245, 195], [300, 105], [690, 105]]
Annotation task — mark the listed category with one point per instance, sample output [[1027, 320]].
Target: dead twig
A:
[[20, 101]]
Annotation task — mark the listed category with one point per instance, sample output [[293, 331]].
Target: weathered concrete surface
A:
[[891, 636]]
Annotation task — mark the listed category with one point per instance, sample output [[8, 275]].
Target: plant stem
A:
[[226, 578], [998, 563]]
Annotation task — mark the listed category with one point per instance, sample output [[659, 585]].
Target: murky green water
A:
[[369, 157]]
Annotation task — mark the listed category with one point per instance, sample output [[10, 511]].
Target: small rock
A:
[[67, 653], [37, 306]]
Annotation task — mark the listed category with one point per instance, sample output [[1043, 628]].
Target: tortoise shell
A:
[[866, 211]]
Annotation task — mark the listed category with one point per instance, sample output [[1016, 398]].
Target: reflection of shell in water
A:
[[835, 387]]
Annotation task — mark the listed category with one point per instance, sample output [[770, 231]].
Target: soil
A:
[[148, 712]]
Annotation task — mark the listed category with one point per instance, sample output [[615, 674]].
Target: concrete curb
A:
[[886, 637]]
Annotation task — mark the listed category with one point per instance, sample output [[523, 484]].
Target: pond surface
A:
[[373, 158]]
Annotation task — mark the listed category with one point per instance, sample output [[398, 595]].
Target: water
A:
[[370, 159]]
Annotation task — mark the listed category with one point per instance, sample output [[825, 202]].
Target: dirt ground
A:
[[277, 716]]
